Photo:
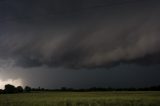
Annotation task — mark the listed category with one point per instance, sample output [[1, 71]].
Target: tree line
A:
[[11, 89]]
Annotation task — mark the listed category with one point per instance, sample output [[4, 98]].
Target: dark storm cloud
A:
[[119, 76], [79, 34]]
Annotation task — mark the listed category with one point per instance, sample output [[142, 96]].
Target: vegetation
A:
[[17, 96], [110, 98], [10, 89]]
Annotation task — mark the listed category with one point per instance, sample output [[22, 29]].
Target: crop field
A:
[[135, 98]]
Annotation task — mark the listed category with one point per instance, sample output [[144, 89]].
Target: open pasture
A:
[[136, 98]]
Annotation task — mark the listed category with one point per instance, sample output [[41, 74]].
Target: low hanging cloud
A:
[[109, 35]]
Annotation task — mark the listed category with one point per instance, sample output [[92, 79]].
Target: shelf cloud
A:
[[113, 32]]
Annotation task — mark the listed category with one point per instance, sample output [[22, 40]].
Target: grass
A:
[[136, 98]]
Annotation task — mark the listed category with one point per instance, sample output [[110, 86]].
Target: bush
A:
[[9, 89], [1, 91], [27, 89], [19, 89]]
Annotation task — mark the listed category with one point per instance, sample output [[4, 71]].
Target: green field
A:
[[82, 99]]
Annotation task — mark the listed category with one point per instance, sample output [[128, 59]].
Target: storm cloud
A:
[[80, 34]]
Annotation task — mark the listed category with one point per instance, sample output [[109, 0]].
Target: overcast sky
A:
[[80, 43]]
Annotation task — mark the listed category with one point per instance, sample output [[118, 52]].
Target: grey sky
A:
[[84, 42]]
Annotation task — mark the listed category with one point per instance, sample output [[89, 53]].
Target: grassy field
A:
[[82, 99]]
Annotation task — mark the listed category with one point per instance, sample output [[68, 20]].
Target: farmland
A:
[[119, 98]]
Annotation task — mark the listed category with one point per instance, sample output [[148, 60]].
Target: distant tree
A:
[[63, 89], [19, 89], [33, 89], [10, 89], [39, 88], [27, 89], [42, 89]]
